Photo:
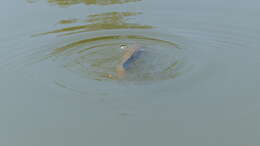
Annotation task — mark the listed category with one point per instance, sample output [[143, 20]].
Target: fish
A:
[[130, 55], [129, 62]]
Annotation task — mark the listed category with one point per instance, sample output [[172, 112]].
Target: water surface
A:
[[197, 85]]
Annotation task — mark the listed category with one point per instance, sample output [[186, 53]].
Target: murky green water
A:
[[197, 83]]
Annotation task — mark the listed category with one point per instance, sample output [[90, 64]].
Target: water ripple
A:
[[99, 55]]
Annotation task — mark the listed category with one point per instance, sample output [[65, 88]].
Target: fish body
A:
[[127, 64]]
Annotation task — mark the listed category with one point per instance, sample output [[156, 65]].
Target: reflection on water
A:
[[90, 2], [87, 2], [99, 53], [103, 21]]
